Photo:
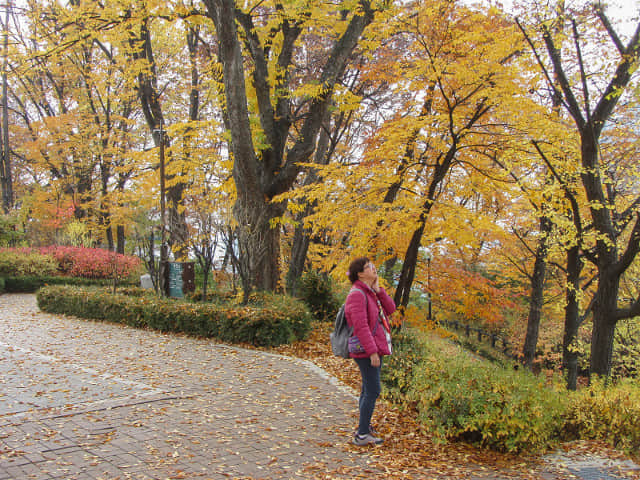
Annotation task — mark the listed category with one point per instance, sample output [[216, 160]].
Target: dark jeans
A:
[[369, 393]]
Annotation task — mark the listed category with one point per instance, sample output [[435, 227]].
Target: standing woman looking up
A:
[[367, 309]]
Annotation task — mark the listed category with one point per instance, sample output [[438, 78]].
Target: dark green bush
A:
[[626, 351], [2, 281], [32, 284], [317, 291], [284, 320]]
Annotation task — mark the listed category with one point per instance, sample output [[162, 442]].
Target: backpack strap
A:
[[366, 306]]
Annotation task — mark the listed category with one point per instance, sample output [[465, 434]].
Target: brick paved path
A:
[[84, 400]]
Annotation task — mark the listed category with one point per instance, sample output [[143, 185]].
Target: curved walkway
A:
[[85, 401]]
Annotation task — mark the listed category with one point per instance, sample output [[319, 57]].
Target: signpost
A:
[[180, 279]]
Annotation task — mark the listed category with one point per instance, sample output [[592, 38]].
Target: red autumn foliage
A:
[[88, 262]]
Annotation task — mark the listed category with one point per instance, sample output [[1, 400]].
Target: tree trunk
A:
[[260, 242], [5, 162], [604, 322], [403, 290], [606, 298], [120, 239], [149, 94], [110, 240], [571, 318], [261, 174], [299, 249], [301, 239], [535, 309], [537, 294]]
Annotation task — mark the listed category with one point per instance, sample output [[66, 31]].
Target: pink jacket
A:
[[363, 317]]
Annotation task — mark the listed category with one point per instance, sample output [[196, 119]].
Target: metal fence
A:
[[496, 341]]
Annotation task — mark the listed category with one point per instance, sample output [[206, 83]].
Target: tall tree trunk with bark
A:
[[301, 237], [537, 294], [408, 272], [262, 172], [572, 322], [6, 173], [149, 94], [590, 121]]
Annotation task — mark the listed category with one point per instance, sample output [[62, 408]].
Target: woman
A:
[[367, 309]]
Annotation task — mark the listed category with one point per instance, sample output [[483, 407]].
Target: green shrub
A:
[[465, 398], [2, 284], [16, 263], [399, 368], [626, 351], [32, 284], [277, 321], [294, 310], [317, 291], [10, 234], [608, 413]]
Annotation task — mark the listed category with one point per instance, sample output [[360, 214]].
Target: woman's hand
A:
[[375, 360], [375, 285]]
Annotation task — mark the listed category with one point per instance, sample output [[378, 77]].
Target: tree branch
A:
[[621, 78], [607, 25], [633, 247], [260, 76], [631, 311], [583, 73], [561, 76], [556, 93], [331, 73], [622, 219]]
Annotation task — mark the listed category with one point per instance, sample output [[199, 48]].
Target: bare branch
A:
[[633, 247], [583, 73], [609, 28]]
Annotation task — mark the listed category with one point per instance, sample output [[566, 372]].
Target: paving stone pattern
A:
[[84, 400]]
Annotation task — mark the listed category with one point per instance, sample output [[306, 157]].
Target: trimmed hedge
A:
[[32, 284], [285, 321]]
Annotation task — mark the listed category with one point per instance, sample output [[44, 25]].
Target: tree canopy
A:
[[462, 146]]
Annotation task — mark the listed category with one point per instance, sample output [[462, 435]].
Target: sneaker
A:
[[366, 440], [372, 431]]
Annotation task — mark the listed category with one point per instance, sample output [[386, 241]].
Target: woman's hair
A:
[[356, 267]]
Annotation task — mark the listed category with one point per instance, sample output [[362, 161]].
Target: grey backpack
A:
[[341, 333]]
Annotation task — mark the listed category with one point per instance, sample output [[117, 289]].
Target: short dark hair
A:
[[356, 267]]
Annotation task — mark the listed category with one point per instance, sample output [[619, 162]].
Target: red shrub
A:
[[93, 262]]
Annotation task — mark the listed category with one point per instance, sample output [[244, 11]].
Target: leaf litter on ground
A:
[[410, 451]]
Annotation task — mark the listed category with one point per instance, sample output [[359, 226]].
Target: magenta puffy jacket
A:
[[362, 316]]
